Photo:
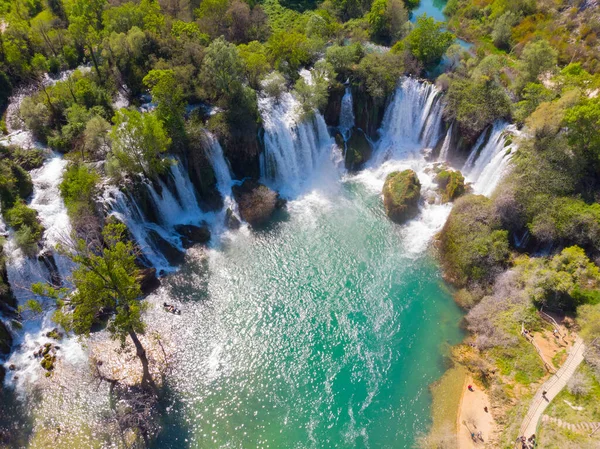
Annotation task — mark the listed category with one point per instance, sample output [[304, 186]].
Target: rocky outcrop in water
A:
[[200, 170], [331, 114], [358, 151], [174, 255], [192, 235], [148, 280], [7, 299], [451, 184], [256, 202], [401, 194], [5, 339], [368, 113]]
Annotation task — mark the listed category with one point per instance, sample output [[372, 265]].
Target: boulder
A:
[[173, 254], [368, 112], [451, 184], [231, 221], [7, 299], [148, 280], [191, 234], [358, 151], [331, 114], [6, 340], [46, 256], [401, 194], [256, 202]]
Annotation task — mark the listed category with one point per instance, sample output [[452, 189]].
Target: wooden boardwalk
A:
[[552, 387]]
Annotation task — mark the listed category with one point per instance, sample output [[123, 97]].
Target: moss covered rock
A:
[[401, 194], [451, 184], [358, 151]]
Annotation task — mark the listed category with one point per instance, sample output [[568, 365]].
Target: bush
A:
[[476, 104], [428, 41], [379, 73], [78, 188], [474, 249], [564, 282], [28, 229]]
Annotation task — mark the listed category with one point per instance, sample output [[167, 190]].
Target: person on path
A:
[[485, 409], [470, 387]]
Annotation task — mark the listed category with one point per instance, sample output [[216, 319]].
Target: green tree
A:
[[537, 57], [428, 41], [387, 19], [222, 71], [138, 141], [379, 73], [583, 122], [167, 92], [566, 281], [256, 63], [105, 279]]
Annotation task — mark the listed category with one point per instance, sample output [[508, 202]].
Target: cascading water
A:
[[446, 145], [411, 122], [23, 271], [346, 115], [489, 159], [127, 211], [296, 149]]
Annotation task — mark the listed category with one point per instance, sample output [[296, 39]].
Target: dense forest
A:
[[145, 80]]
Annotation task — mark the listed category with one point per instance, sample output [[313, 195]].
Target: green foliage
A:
[[28, 230], [379, 73], [15, 183], [387, 19], [588, 317], [313, 95], [256, 62], [428, 41], [476, 104], [78, 189], [104, 279], [167, 92], [537, 57], [582, 123], [138, 141], [222, 71], [344, 58], [474, 248], [289, 51], [532, 96], [452, 184], [563, 282]]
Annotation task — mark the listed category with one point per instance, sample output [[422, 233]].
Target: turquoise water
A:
[[322, 331], [435, 9]]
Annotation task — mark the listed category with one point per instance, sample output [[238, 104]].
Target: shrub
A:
[[28, 229], [473, 247], [379, 73]]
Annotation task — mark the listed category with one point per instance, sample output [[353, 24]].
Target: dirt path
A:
[[552, 387], [472, 417]]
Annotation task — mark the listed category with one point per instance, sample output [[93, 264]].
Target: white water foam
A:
[[347, 114], [296, 150], [489, 159]]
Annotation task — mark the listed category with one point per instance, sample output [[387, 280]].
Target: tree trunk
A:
[[141, 353]]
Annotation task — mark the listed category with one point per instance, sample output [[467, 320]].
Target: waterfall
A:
[[347, 114], [128, 212], [219, 164], [180, 206], [489, 158], [23, 271], [295, 148], [446, 145], [412, 121]]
